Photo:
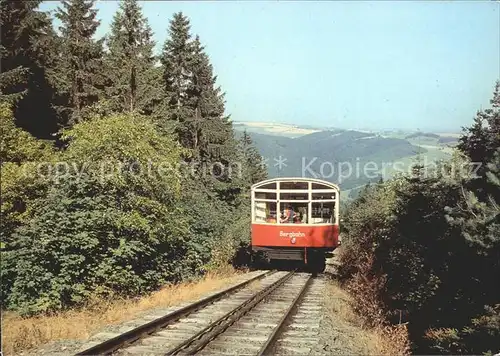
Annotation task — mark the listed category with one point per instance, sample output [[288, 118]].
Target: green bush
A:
[[426, 248], [21, 186], [19, 154], [99, 231], [233, 247], [407, 255]]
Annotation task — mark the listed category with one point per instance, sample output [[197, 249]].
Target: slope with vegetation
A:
[[120, 170], [329, 154], [424, 248]]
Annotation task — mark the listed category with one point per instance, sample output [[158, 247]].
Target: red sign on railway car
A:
[[292, 234], [305, 236]]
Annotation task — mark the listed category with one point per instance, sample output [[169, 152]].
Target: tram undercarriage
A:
[[312, 259]]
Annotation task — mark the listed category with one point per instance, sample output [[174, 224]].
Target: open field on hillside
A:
[[274, 128], [403, 165], [449, 134], [443, 149]]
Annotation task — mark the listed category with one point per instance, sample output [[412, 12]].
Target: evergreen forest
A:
[[121, 172], [120, 169]]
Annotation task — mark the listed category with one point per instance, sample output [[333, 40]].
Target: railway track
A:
[[272, 313]]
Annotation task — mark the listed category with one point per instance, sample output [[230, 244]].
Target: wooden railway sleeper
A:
[[203, 337], [267, 347], [109, 346]]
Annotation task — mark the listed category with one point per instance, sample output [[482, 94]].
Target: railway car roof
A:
[[296, 179]]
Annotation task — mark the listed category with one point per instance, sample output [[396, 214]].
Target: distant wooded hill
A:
[[370, 155]]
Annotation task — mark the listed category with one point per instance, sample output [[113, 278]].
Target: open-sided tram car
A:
[[295, 219]]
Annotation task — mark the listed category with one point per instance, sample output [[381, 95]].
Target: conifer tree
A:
[[255, 170], [28, 50], [195, 107], [480, 219], [194, 102], [479, 212], [81, 65], [176, 58], [208, 131], [133, 80], [480, 141], [211, 132], [197, 124]]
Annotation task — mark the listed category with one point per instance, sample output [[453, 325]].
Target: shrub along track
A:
[[272, 313]]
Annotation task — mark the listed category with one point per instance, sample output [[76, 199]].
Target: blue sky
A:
[[380, 64]]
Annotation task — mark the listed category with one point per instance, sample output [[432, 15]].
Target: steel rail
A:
[[266, 349], [111, 345], [206, 335]]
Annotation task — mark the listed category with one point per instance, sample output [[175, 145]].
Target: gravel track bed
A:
[[250, 333], [173, 334], [71, 347], [310, 329]]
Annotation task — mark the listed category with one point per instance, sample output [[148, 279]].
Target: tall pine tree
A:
[[81, 65], [481, 141], [208, 131], [28, 50], [254, 169], [195, 107], [479, 212], [134, 83], [176, 59]]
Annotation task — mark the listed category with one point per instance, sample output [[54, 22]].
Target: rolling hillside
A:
[[349, 158]]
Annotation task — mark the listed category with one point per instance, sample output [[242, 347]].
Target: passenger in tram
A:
[[271, 219], [288, 215], [302, 216]]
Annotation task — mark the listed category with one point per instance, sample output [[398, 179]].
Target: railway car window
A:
[[265, 212], [319, 186], [323, 213], [268, 186], [324, 196], [265, 195], [298, 216], [294, 196], [294, 185]]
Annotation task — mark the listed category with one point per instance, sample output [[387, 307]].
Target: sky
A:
[[360, 64]]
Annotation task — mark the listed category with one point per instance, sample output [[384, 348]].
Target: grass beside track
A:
[[348, 334], [21, 334]]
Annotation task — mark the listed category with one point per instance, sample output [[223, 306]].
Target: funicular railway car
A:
[[295, 219]]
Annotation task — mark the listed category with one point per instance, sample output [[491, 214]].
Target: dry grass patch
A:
[[21, 334], [354, 336]]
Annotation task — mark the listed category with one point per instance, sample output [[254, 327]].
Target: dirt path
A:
[[342, 330]]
